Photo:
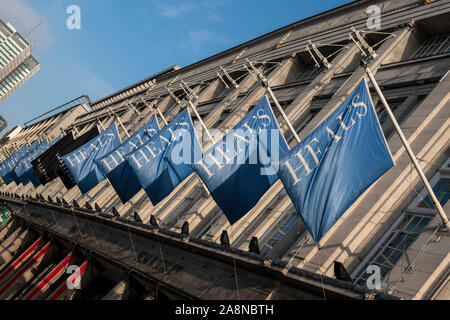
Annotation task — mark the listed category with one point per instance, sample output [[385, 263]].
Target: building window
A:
[[406, 230], [308, 72], [400, 240], [382, 114], [442, 191], [311, 114], [433, 46], [280, 233]]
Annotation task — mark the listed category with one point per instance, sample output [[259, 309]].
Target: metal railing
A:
[[73, 103]]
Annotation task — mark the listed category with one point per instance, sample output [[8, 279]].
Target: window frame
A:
[[412, 210]]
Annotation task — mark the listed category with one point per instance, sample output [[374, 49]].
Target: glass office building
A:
[[17, 64]]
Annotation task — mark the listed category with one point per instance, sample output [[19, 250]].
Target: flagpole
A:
[[76, 130], [157, 109], [200, 119], [209, 135], [275, 100], [411, 155], [280, 109], [162, 116], [101, 125], [120, 122]]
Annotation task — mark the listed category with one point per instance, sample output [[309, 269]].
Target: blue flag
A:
[[9, 164], [164, 161], [7, 169], [24, 163], [24, 169], [326, 172], [118, 171], [238, 169], [81, 162]]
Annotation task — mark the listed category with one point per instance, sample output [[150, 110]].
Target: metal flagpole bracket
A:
[[225, 72], [265, 83], [258, 73], [132, 107], [361, 43], [388, 34], [411, 155], [144, 101], [364, 64], [250, 72], [188, 89], [312, 56], [117, 118], [185, 91], [174, 97], [311, 47], [223, 81], [157, 109]]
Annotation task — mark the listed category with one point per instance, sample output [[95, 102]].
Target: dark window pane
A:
[[442, 191]]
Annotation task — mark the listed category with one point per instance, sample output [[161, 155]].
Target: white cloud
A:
[[213, 7], [196, 39], [173, 11], [209, 9], [198, 42], [24, 18]]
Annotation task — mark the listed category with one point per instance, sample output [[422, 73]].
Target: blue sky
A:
[[122, 42]]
